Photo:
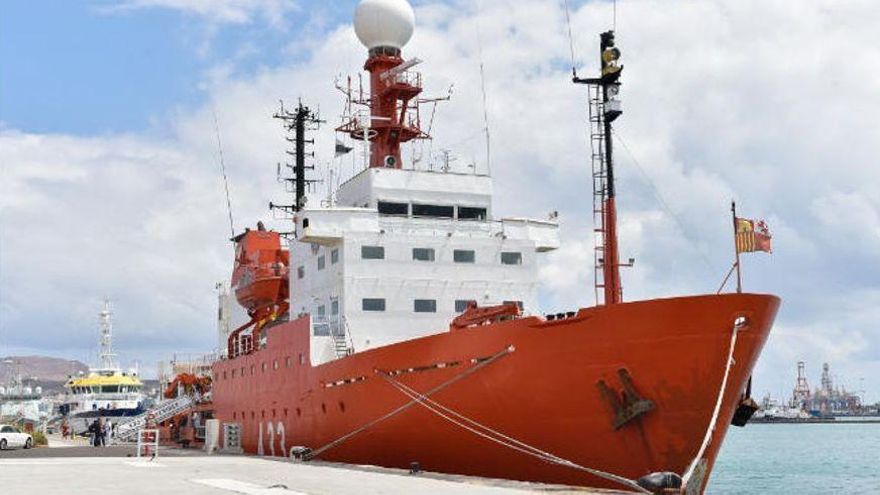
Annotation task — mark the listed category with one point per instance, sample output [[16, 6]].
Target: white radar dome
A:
[[384, 23]]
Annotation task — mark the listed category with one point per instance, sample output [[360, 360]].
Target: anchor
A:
[[746, 408], [627, 405]]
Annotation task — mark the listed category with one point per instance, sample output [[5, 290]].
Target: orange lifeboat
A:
[[260, 275], [260, 280]]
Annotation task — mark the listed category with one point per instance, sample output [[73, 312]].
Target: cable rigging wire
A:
[[663, 203], [223, 172]]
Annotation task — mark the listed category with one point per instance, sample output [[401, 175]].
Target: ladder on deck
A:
[[128, 431], [600, 185], [341, 338]]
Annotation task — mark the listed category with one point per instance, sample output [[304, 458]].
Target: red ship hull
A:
[[543, 393]]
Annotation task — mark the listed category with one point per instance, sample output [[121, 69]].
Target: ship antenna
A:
[[297, 123], [614, 15], [570, 38], [223, 171], [483, 89], [107, 355]]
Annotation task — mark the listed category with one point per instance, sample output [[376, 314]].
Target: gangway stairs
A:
[[127, 431]]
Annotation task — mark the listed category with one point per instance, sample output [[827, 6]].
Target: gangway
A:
[[128, 431]]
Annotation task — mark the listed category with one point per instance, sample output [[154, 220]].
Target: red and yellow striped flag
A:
[[752, 236]]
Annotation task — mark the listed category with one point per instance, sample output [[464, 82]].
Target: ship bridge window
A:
[[423, 254], [320, 327], [300, 272], [435, 211], [511, 258], [373, 304], [373, 252], [462, 304], [334, 256], [463, 256], [321, 262], [425, 305], [518, 304], [390, 208], [471, 213]]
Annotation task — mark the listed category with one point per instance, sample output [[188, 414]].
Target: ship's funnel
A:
[[384, 23]]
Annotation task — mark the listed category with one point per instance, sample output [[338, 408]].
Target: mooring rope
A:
[[480, 364], [505, 440], [707, 439]]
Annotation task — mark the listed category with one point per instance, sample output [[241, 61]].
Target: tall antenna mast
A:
[[483, 90], [604, 109], [223, 173], [107, 357], [297, 123]]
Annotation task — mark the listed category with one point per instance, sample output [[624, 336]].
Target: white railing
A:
[[104, 396], [337, 329], [147, 443], [439, 226]]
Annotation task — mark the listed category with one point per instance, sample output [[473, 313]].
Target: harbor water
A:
[[799, 458]]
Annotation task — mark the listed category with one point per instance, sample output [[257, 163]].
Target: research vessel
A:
[[106, 390], [396, 326]]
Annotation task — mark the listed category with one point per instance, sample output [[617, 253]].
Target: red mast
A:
[[384, 27], [604, 109]]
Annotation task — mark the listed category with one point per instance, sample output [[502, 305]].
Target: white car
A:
[[10, 437]]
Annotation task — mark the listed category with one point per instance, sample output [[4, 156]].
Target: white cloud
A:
[[777, 111], [851, 218], [272, 12]]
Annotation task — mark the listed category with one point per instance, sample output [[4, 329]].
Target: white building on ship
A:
[[403, 252]]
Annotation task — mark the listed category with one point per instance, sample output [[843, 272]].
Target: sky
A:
[[110, 187]]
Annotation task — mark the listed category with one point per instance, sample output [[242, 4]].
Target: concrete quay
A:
[[65, 469]]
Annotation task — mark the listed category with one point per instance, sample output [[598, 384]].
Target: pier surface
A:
[[104, 471]]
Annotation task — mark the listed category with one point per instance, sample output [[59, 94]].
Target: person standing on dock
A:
[[95, 431], [108, 433]]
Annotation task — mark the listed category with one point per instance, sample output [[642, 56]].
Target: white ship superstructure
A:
[[403, 252]]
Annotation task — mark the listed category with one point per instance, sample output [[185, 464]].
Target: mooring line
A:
[[685, 479], [481, 364], [505, 440]]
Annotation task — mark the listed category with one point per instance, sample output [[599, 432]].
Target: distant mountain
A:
[[40, 368]]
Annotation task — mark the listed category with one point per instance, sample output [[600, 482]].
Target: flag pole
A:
[[736, 248]]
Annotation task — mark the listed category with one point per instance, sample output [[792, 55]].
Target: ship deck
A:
[[112, 470]]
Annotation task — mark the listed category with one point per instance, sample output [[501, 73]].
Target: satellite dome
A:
[[384, 23]]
